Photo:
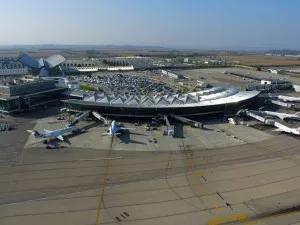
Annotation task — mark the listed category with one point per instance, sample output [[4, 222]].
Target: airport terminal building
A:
[[215, 100], [21, 96]]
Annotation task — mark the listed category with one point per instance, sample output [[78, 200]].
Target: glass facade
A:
[[23, 103], [4, 105], [8, 105]]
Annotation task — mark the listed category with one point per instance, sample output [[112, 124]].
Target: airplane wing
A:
[[60, 137], [277, 130], [47, 131], [281, 117], [123, 128]]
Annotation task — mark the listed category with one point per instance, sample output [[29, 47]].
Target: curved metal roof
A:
[[211, 96], [55, 60], [29, 61], [50, 62]]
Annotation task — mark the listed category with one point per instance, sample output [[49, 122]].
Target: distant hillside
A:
[[81, 47]]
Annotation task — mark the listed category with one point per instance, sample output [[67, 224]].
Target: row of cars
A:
[[127, 84]]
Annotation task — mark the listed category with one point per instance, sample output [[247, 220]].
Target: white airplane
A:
[[288, 98], [114, 129], [232, 121], [283, 116], [282, 128], [53, 133]]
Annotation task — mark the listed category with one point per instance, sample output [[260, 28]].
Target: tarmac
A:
[[225, 174], [216, 134]]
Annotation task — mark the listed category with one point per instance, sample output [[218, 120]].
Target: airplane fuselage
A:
[[113, 128], [283, 115], [56, 133], [288, 98]]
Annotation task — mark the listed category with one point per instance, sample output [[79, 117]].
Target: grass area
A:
[[184, 89], [262, 60], [87, 88], [145, 89]]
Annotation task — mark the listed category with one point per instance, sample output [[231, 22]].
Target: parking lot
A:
[[128, 83]]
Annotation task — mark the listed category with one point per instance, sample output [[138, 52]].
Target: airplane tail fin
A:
[[34, 133], [297, 114]]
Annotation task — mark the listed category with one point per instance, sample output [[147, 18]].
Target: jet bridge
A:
[[283, 104], [187, 121], [86, 114], [170, 129], [82, 117], [101, 118]]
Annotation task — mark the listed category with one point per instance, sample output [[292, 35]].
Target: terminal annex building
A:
[[21, 94], [215, 100]]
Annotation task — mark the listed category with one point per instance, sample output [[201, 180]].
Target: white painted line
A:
[[101, 159]]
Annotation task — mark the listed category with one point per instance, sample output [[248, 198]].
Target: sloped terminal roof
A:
[[50, 62], [216, 95]]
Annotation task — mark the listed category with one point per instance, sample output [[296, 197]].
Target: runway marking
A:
[[231, 218], [104, 182], [201, 189], [217, 207], [199, 172], [101, 159]]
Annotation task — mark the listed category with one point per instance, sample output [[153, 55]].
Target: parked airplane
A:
[[288, 98], [232, 121], [53, 133], [282, 128], [114, 129], [283, 116]]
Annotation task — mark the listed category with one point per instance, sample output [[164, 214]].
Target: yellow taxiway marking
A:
[[226, 219], [245, 220], [201, 189], [217, 207], [199, 172], [104, 182]]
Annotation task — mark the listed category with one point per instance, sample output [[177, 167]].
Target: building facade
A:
[[24, 96], [215, 100]]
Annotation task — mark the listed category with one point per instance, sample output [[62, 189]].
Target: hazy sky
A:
[[181, 23]]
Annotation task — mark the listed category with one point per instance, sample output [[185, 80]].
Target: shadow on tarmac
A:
[[125, 138]]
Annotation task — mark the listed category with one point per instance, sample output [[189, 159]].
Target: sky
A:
[[225, 24]]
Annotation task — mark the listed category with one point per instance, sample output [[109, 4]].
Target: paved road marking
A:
[[104, 182]]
